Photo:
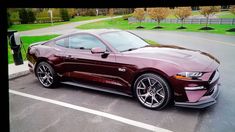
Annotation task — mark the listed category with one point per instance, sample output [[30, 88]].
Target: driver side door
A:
[[91, 68]]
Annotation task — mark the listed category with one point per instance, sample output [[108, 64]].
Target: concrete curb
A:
[[15, 71], [18, 74]]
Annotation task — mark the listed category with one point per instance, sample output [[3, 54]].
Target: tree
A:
[[8, 20], [87, 11], [31, 16], [111, 13], [56, 12], [182, 13], [72, 12], [23, 16], [158, 14], [139, 14], [232, 9], [208, 11], [26, 16], [64, 14]]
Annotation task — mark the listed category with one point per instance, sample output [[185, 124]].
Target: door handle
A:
[[69, 56]]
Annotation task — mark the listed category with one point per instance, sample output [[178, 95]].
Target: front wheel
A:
[[152, 91], [46, 75]]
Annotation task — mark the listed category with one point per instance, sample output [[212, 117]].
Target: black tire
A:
[[50, 77], [157, 91]]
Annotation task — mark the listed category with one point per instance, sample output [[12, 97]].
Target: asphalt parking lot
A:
[[33, 115]]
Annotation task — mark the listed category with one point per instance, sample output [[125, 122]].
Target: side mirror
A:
[[97, 50]]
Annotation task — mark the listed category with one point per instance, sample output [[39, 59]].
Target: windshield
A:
[[123, 41]]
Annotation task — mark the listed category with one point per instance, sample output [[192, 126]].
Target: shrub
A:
[[14, 17], [31, 16], [43, 19], [56, 12], [91, 12], [121, 11], [64, 14], [72, 12], [111, 12], [43, 14], [26, 16], [48, 19], [8, 20], [232, 9], [87, 12], [57, 19], [23, 15], [125, 17]]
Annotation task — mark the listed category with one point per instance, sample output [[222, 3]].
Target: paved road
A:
[[220, 117], [60, 29], [31, 115]]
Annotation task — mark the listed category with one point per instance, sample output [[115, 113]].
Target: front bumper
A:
[[31, 66], [205, 101]]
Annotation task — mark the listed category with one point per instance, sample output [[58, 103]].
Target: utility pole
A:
[[97, 12], [51, 16]]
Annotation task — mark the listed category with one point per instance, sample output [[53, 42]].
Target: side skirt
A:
[[98, 88]]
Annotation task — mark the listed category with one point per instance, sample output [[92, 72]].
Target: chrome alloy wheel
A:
[[44, 75], [150, 92]]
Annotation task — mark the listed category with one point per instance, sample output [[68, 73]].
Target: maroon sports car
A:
[[120, 62]]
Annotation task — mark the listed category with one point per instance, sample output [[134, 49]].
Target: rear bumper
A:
[[205, 101]]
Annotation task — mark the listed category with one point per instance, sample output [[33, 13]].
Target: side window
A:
[[61, 42], [85, 41]]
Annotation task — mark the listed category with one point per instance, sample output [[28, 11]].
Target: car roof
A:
[[90, 31]]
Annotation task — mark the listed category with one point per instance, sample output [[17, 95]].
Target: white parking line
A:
[[95, 112]]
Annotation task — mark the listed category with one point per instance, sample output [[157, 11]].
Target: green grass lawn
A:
[[195, 13], [119, 23], [27, 40], [225, 14], [151, 42], [25, 27], [84, 18]]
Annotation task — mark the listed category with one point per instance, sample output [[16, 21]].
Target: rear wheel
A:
[[152, 91], [46, 75]]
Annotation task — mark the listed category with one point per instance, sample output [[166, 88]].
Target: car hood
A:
[[190, 60]]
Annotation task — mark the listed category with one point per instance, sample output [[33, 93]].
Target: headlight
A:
[[188, 75]]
